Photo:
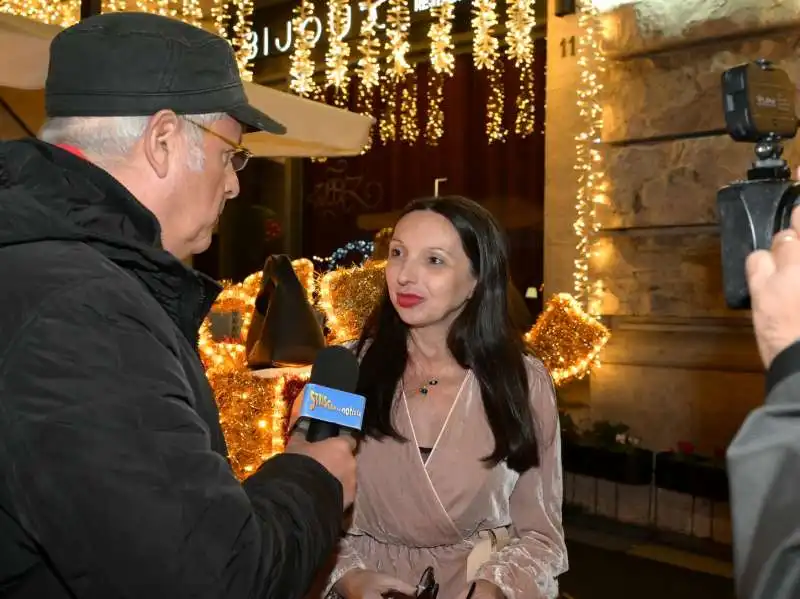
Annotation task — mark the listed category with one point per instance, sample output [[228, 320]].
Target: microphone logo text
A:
[[323, 402]]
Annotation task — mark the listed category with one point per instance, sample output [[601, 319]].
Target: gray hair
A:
[[112, 138]]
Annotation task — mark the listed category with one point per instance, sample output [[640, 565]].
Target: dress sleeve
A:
[[528, 566], [349, 557]]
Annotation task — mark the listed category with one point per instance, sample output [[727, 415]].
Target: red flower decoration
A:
[[686, 447], [272, 229], [291, 389]]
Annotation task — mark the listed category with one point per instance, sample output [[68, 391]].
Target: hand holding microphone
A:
[[327, 408]]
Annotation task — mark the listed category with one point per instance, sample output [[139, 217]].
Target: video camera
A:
[[759, 105]]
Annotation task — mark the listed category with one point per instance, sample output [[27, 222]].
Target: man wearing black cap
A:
[[113, 476]]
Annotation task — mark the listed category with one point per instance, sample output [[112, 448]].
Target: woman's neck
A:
[[428, 347]]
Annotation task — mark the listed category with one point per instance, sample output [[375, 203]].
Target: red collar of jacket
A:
[[72, 150]]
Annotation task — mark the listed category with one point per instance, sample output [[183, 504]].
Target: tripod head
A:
[[769, 163]]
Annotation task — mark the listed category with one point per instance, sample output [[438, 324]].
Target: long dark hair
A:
[[482, 339]]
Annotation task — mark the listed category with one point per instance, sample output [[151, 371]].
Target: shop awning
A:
[[314, 129]]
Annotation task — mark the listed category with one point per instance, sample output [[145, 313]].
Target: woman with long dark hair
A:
[[460, 466]]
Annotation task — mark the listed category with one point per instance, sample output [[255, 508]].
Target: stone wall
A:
[[680, 365]]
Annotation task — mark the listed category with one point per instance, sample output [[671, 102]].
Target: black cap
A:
[[135, 64]]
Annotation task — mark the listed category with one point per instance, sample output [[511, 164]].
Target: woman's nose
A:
[[407, 273]]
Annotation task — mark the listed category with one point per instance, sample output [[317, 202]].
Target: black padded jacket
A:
[[114, 481]]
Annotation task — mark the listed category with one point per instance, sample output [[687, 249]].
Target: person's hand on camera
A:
[[336, 455], [367, 584], [774, 281]]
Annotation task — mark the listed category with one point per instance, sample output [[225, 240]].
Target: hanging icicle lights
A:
[[301, 70], [486, 57], [442, 66], [519, 27], [398, 22], [368, 69], [337, 58]]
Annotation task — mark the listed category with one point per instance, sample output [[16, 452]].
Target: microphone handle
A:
[[319, 431]]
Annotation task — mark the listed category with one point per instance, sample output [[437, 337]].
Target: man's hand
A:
[[774, 281], [336, 455]]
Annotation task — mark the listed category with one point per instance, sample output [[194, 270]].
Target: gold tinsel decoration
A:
[[220, 357], [348, 295], [519, 27], [398, 22], [252, 413], [567, 339], [302, 67], [486, 57], [368, 69], [337, 58], [442, 65]]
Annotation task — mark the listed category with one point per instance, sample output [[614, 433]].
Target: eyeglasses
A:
[[240, 155], [427, 588]]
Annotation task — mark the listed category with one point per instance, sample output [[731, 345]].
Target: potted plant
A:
[[617, 456], [685, 471], [575, 455], [607, 451]]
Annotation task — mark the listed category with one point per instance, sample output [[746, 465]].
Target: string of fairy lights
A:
[[592, 184]]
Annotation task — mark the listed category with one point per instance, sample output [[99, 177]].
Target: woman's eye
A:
[[435, 260], [394, 252]]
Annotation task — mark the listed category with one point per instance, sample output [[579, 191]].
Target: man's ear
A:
[[161, 141]]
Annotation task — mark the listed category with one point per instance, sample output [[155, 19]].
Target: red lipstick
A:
[[408, 300]]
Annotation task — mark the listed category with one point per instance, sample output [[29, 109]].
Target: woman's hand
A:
[[366, 584], [483, 590]]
